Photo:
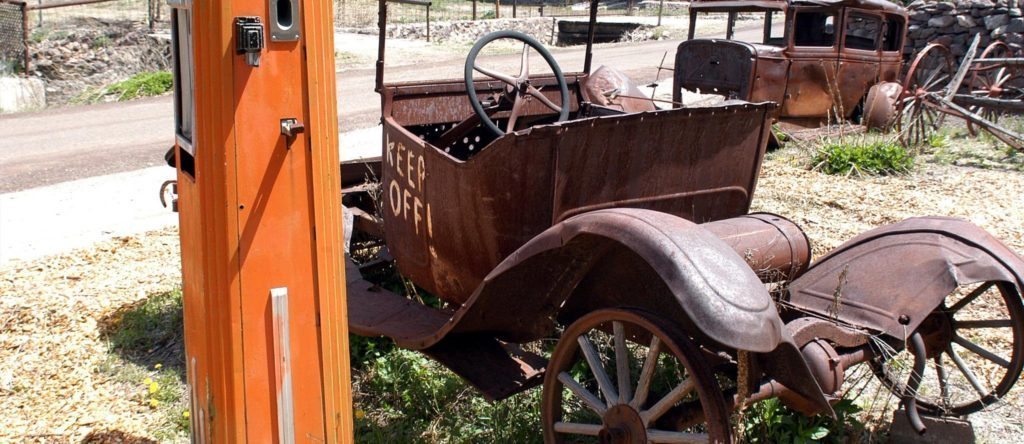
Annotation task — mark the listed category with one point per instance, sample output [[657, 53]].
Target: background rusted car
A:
[[818, 59], [534, 209]]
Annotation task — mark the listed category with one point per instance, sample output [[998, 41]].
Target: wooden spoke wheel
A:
[[930, 73], [994, 81], [614, 376], [975, 345]]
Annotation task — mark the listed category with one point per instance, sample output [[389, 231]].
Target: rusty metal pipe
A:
[[910, 396], [854, 357], [775, 389], [774, 247]]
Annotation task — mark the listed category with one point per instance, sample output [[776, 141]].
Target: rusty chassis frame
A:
[[636, 225]]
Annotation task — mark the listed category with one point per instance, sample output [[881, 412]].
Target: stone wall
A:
[[84, 54], [539, 28], [955, 24]]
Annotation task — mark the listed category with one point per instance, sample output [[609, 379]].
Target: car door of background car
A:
[[859, 56], [892, 48], [813, 50]]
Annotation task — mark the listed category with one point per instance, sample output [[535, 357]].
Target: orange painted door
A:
[[275, 229]]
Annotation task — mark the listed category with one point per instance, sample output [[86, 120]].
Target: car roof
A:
[[726, 5]]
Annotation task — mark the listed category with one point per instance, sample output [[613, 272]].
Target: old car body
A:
[[818, 59], [589, 215]]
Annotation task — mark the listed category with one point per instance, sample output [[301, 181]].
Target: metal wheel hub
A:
[[623, 425]]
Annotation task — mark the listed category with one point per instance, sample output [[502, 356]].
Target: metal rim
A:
[[641, 345], [930, 72], [989, 82], [518, 88], [988, 79], [959, 366]]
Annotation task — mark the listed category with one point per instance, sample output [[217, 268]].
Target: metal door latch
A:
[[249, 39], [291, 127]]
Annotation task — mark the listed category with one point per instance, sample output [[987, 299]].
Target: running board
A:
[[498, 370]]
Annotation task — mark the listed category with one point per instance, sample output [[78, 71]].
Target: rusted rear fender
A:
[[904, 270], [626, 257]]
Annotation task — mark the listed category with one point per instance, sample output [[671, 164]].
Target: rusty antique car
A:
[[817, 58], [535, 210]]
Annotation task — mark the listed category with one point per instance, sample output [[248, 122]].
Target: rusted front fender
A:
[[627, 257], [904, 270], [648, 260]]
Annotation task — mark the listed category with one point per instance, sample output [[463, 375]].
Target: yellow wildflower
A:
[[158, 366], [360, 414], [186, 414], [154, 387], [147, 381], [154, 403]]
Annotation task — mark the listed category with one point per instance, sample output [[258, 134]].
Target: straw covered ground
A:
[[73, 369]]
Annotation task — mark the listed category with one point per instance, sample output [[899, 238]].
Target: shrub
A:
[[142, 85], [938, 140], [772, 422], [406, 397], [876, 158]]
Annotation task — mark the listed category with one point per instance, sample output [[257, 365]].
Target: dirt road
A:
[[60, 145]]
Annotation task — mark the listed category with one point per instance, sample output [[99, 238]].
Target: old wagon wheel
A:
[[975, 344], [518, 89], [615, 373], [930, 72], [990, 81]]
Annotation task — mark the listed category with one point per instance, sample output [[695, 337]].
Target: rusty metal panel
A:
[[700, 164], [714, 66], [770, 79], [858, 68], [681, 161], [479, 210], [857, 73], [808, 93], [921, 259], [890, 66]]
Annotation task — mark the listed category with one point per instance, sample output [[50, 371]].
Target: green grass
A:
[[772, 422], [147, 355], [938, 140], [102, 41], [141, 85], [862, 156], [400, 395], [403, 396]]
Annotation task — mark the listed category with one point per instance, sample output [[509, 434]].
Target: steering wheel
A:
[[518, 90]]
